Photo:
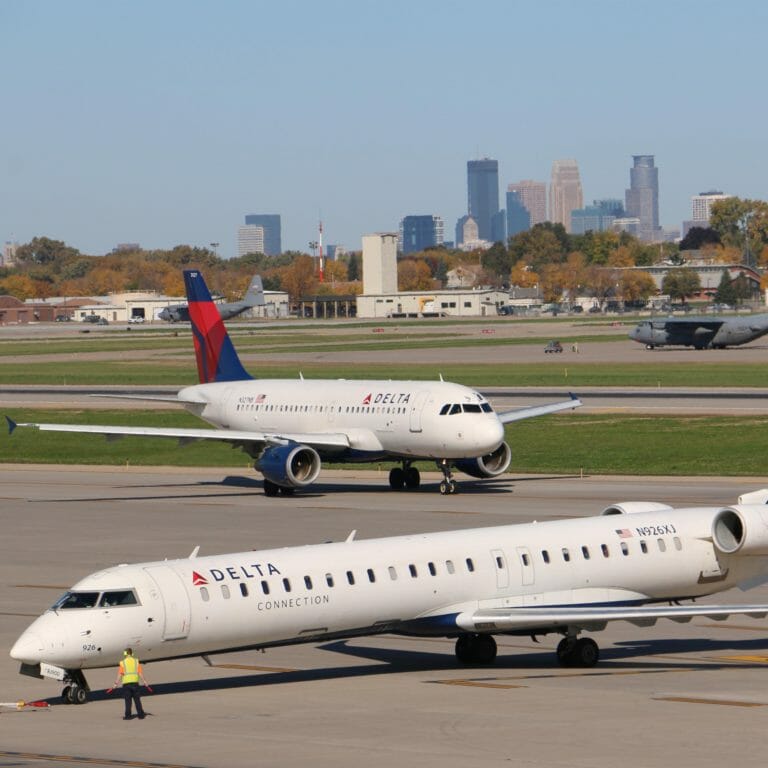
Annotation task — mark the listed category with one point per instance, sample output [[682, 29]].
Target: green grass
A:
[[564, 443]]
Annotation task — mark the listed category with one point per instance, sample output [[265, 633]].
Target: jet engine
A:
[[635, 507], [742, 528], [289, 466], [490, 465]]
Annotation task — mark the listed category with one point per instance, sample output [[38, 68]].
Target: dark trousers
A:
[[132, 693]]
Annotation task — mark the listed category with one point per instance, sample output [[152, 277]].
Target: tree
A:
[[725, 293], [636, 285], [299, 279], [681, 283], [414, 275], [43, 250], [538, 246], [497, 263], [20, 286], [698, 237]]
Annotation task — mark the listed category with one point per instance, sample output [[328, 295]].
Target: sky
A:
[[167, 122]]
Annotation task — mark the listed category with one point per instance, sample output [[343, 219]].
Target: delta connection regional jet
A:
[[290, 425], [636, 562]]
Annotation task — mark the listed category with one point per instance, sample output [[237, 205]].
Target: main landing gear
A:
[[475, 649], [76, 689], [571, 651], [406, 477]]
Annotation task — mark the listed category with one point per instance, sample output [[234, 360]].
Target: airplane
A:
[[700, 332], [636, 562], [290, 426], [254, 297]]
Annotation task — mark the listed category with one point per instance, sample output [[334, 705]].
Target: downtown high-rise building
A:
[[642, 197], [420, 232], [518, 216], [483, 196], [533, 196], [565, 193], [250, 239], [272, 234], [701, 207]]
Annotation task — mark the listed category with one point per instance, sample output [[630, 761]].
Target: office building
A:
[[701, 207], [483, 194], [518, 216], [250, 239], [642, 197], [420, 232], [380, 263], [533, 196], [598, 217], [565, 193], [272, 234]]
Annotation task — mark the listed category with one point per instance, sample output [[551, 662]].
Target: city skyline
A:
[[167, 124]]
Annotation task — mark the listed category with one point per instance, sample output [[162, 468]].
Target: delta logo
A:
[[198, 580], [387, 398]]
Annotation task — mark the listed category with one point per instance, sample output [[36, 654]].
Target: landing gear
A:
[[476, 649], [406, 477], [581, 652], [273, 489], [448, 484], [76, 690]]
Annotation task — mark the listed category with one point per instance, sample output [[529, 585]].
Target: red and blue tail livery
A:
[[214, 351]]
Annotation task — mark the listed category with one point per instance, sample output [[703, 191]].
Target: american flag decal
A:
[[624, 533]]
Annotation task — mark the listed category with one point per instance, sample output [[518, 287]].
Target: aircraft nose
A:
[[28, 648]]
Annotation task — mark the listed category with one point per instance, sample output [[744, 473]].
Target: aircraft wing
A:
[[538, 410], [595, 618], [692, 324], [328, 440]]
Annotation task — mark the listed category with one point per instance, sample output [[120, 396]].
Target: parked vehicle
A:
[[553, 346]]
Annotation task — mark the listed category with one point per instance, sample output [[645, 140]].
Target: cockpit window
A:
[[445, 409], [118, 597], [456, 408], [77, 600], [471, 408], [486, 407]]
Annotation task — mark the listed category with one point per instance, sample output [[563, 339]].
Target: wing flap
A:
[[596, 617]]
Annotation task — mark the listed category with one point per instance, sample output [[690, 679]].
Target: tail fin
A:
[[254, 296], [215, 354]]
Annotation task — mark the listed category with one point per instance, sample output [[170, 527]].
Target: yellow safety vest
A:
[[129, 668]]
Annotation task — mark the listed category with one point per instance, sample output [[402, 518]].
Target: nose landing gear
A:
[[76, 689], [448, 484]]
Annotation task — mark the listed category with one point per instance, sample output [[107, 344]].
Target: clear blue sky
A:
[[165, 122]]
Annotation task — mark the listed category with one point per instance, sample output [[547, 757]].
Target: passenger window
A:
[[392, 573], [624, 548], [643, 547], [470, 565], [566, 555], [449, 566], [308, 582], [243, 589], [413, 571], [525, 559], [350, 577], [123, 597], [604, 550], [499, 562], [329, 579], [585, 552], [371, 575], [678, 543], [432, 569], [225, 591], [662, 545], [204, 594], [545, 555], [265, 587]]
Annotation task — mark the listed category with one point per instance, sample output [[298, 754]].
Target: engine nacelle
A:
[[633, 507], [290, 466], [490, 465], [742, 528]]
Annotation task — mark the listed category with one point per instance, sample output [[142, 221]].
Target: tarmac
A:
[[673, 694]]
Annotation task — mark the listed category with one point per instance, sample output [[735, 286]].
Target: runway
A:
[[692, 694]]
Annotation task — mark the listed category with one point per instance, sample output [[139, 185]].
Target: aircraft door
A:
[[175, 601], [500, 566], [526, 566], [416, 408]]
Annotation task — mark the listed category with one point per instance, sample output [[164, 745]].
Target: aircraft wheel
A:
[[565, 651], [585, 652], [464, 649], [79, 695], [270, 488], [452, 487], [412, 478], [396, 479], [443, 488], [286, 491], [66, 694], [484, 649]]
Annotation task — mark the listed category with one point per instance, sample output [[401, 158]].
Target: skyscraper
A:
[[518, 216], [564, 192], [642, 197], [533, 196], [701, 207], [483, 194], [250, 239], [420, 232], [272, 236]]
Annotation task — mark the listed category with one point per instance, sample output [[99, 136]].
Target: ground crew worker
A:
[[129, 674]]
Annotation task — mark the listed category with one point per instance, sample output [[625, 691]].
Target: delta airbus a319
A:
[[289, 426], [637, 562]]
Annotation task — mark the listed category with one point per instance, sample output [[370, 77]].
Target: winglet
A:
[[11, 424]]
